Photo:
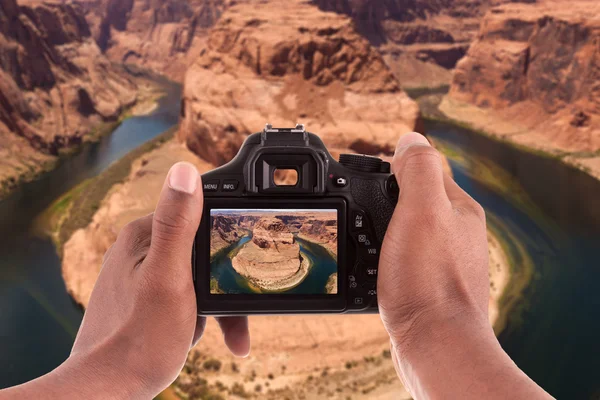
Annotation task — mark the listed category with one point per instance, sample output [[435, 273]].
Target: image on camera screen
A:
[[274, 251]]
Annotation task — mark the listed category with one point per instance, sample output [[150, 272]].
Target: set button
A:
[[367, 271]]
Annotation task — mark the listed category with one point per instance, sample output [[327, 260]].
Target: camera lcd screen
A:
[[274, 251]]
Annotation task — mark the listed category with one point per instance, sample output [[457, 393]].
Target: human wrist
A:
[[96, 378], [103, 372], [80, 378], [443, 357], [431, 330]]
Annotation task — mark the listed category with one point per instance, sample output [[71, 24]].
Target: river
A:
[[38, 319], [546, 213], [322, 266]]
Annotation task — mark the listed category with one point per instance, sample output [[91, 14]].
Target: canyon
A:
[[164, 36], [57, 89], [272, 260], [276, 61], [529, 76], [225, 231], [532, 78]]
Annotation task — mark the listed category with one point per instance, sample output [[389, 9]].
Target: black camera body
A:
[[305, 246]]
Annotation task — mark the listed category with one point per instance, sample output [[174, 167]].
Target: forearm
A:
[[461, 360], [78, 379]]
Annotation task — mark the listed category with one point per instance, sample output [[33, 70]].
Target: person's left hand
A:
[[141, 320]]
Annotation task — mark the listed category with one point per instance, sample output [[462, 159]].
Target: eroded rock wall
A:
[[160, 35], [225, 232], [539, 66], [421, 40], [285, 62], [55, 85]]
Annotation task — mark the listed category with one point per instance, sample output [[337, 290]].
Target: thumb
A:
[[176, 218], [418, 170]]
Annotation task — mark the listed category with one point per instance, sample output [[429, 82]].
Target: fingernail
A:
[[411, 139], [183, 177]]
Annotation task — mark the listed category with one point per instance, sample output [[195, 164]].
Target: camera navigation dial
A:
[[363, 163]]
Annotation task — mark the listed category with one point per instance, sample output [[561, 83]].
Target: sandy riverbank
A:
[[499, 276], [503, 127]]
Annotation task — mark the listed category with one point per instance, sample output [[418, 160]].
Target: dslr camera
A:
[[287, 229]]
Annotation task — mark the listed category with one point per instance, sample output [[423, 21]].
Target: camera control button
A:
[[352, 282], [340, 181], [367, 271], [370, 290], [369, 252], [230, 185], [364, 239], [371, 273], [359, 220], [211, 186], [361, 163], [392, 187]]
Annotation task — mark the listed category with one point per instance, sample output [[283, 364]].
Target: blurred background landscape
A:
[[98, 98]]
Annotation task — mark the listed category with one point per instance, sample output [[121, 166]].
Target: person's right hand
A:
[[433, 286], [434, 259]]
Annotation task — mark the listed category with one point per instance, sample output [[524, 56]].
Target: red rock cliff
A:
[[161, 35], [539, 66], [421, 39], [283, 62], [55, 85]]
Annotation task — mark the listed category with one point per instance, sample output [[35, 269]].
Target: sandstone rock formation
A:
[[55, 85], [332, 284], [161, 35], [322, 232], [283, 62], [533, 73], [272, 260], [225, 231], [421, 40]]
